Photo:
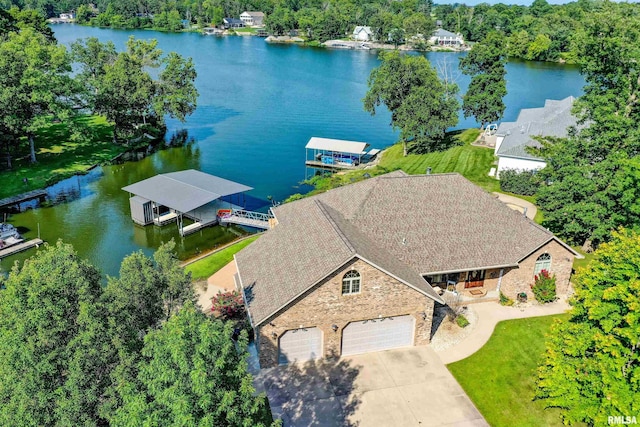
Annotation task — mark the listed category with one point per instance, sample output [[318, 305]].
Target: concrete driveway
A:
[[408, 387]]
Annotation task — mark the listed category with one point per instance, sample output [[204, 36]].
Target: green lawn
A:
[[581, 263], [245, 30], [58, 156], [500, 377], [208, 265], [469, 161]]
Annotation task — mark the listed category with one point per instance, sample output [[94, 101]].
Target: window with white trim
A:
[[542, 263], [351, 283]]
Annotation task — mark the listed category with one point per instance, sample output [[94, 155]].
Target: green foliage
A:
[[73, 350], [49, 324], [592, 363], [422, 106], [505, 300], [35, 77], [593, 174], [462, 321], [60, 154], [500, 378], [544, 288], [485, 64], [120, 86], [229, 304], [525, 182], [210, 264], [192, 373]]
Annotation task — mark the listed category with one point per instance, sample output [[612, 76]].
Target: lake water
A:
[[259, 105]]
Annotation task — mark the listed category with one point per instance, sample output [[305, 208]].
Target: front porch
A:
[[468, 287]]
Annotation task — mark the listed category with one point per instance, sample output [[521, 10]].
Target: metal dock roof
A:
[[186, 190]]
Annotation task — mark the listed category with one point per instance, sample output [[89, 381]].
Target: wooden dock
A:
[[20, 247], [24, 197]]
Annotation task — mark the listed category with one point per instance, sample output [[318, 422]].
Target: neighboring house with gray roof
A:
[[513, 138], [360, 268], [443, 37]]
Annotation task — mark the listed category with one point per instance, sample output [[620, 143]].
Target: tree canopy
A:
[[485, 64], [35, 83], [422, 106], [120, 86], [541, 31], [592, 175], [136, 351], [592, 361]]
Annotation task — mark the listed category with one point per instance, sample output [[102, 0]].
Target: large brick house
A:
[[361, 267]]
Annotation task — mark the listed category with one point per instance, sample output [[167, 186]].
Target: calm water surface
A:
[[259, 105]]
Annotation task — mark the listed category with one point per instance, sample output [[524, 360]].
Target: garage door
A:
[[300, 344], [377, 334]]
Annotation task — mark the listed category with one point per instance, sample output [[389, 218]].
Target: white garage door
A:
[[377, 334], [300, 344]]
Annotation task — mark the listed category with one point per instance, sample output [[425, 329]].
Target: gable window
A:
[[542, 263], [351, 283]]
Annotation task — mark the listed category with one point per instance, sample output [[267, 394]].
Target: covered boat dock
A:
[[335, 154], [197, 196]]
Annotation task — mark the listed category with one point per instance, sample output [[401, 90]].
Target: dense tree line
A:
[[592, 361], [593, 177], [537, 32], [137, 351], [37, 85]]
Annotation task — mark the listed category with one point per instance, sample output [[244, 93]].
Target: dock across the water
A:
[[15, 200], [11, 250]]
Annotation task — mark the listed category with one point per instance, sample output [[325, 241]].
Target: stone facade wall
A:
[[324, 306], [520, 279]]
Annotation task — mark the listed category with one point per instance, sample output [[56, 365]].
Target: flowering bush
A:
[[229, 304], [544, 288]]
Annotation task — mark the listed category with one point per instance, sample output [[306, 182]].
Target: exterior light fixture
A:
[[335, 328], [423, 315], [274, 335]]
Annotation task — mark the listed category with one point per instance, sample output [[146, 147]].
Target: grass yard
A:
[[58, 156], [581, 263], [500, 377], [205, 267], [469, 161]]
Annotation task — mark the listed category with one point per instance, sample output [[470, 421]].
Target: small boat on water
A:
[[9, 235]]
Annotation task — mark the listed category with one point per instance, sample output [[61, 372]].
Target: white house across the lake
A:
[[363, 34], [513, 138]]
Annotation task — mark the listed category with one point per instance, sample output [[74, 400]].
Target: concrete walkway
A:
[[518, 204], [221, 281], [489, 314]]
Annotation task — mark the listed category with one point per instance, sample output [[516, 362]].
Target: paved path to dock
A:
[[518, 204], [221, 281]]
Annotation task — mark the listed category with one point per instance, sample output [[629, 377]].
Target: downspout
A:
[[500, 280]]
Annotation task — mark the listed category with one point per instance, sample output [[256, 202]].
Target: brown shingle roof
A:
[[405, 225]]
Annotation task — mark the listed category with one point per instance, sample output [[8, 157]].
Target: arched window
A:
[[542, 263], [351, 283]]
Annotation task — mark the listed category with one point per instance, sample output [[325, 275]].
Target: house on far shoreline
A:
[[513, 138], [252, 19], [360, 268], [232, 23], [443, 37], [362, 34]]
